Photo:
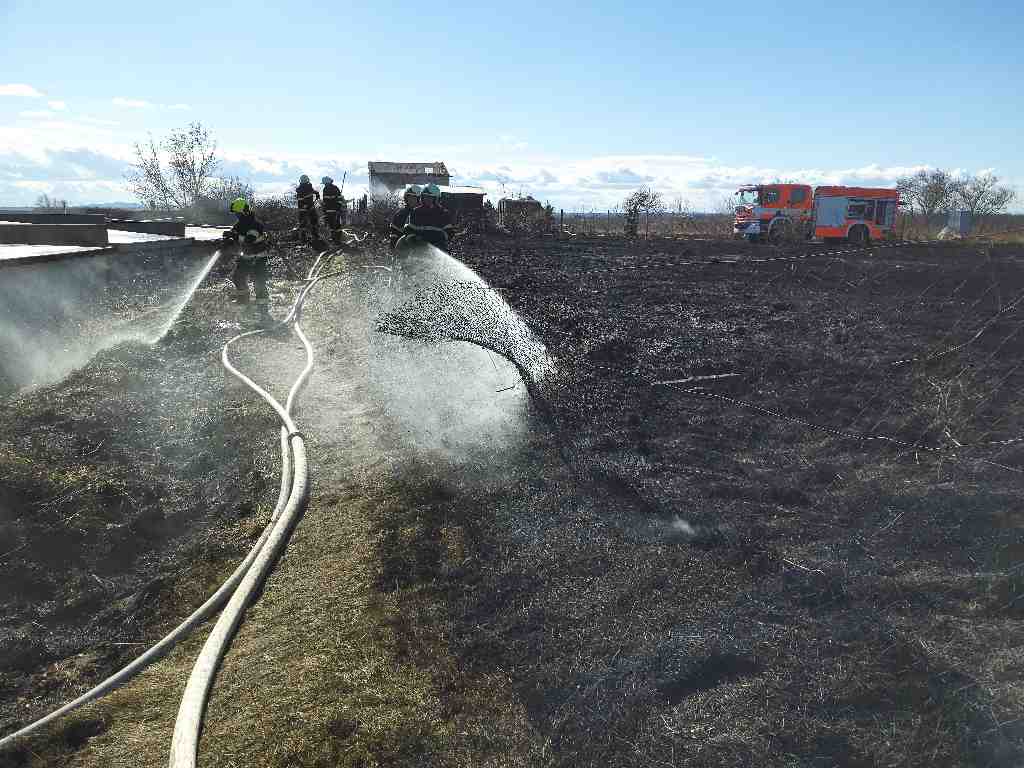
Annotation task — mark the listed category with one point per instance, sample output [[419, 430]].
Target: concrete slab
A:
[[55, 218], [149, 226], [12, 253], [121, 236], [206, 233], [17, 233]]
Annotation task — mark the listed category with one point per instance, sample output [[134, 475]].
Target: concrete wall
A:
[[53, 234], [54, 218], [150, 227]]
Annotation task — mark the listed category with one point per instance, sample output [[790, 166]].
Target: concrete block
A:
[[150, 227], [54, 218], [52, 234]]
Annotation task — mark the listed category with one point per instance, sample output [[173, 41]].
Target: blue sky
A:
[[576, 105]]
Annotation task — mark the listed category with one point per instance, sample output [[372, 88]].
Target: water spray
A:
[[186, 298]]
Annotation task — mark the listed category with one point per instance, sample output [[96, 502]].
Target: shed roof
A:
[[437, 168]]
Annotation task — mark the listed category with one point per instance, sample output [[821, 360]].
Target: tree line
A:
[[938, 191]]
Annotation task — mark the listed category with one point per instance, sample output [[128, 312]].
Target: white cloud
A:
[[20, 89], [76, 151], [119, 101], [60, 106], [36, 114], [97, 121]]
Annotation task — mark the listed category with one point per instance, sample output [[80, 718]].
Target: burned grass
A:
[[739, 570]]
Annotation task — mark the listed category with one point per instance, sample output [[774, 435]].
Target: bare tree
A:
[[928, 192], [982, 195], [682, 210], [644, 201], [48, 203], [191, 161]]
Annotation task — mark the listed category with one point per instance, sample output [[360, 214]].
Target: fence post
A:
[[561, 222]]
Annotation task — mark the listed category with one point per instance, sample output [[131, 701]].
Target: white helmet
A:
[[326, 180], [303, 179]]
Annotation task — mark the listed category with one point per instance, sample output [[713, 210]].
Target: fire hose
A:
[[238, 588]]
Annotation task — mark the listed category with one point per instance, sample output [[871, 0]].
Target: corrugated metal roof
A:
[[436, 168]]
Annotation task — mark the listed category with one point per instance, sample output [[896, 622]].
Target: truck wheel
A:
[[859, 236]]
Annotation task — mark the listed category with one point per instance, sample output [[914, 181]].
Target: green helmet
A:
[[239, 205], [413, 191], [431, 190]]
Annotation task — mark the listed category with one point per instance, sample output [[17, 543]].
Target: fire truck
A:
[[779, 212]]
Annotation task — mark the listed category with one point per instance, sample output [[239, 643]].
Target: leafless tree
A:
[[644, 201], [48, 203], [928, 192], [982, 195], [191, 161]]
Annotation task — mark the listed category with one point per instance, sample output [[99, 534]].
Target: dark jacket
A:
[[400, 219], [250, 233], [332, 198], [434, 225], [306, 195]]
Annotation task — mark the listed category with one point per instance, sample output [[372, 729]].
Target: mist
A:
[[55, 316], [403, 336]]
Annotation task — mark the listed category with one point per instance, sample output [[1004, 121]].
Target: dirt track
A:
[[737, 570]]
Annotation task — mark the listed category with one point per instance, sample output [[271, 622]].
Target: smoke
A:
[[54, 317]]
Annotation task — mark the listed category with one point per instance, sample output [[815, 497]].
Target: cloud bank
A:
[[84, 159]]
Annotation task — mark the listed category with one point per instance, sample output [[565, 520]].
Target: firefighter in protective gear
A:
[[248, 238], [430, 221], [306, 197], [410, 200], [334, 208]]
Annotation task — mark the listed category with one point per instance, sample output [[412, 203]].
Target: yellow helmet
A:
[[239, 205]]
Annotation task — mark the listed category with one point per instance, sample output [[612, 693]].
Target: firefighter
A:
[[334, 208], [430, 221], [409, 201], [307, 196], [249, 239]]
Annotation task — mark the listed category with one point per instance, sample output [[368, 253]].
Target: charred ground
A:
[[812, 560]]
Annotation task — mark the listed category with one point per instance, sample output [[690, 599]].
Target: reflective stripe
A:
[[427, 228]]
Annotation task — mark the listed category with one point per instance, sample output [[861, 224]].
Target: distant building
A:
[[520, 212], [390, 178]]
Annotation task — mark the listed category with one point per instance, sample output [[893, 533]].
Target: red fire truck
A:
[[779, 212]]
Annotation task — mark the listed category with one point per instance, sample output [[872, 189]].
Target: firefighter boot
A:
[[264, 318]]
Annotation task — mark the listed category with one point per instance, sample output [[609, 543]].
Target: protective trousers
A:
[[334, 222], [258, 270], [308, 223]]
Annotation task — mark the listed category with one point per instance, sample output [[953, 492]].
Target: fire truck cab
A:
[[773, 211]]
